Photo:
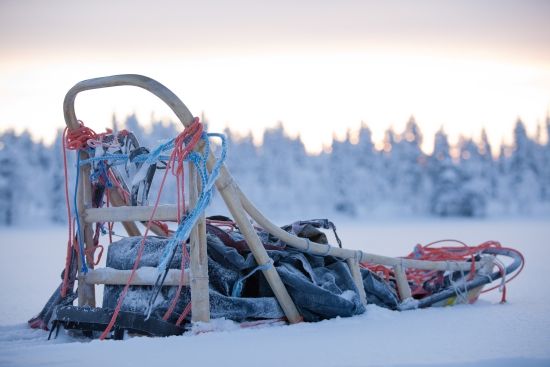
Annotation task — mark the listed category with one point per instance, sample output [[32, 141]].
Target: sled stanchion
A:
[[403, 287], [200, 303], [86, 291], [353, 265]]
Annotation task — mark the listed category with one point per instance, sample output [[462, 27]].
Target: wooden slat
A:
[[143, 276], [130, 213], [117, 201]]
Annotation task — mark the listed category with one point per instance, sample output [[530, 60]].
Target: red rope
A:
[[136, 264], [222, 223], [462, 252], [76, 139], [191, 135], [510, 278], [183, 145], [184, 314], [184, 257], [109, 224]]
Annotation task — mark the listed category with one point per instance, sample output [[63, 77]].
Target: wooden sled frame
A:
[[240, 207]]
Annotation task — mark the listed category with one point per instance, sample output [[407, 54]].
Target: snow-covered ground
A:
[[487, 333]]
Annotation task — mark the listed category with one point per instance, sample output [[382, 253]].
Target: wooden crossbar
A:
[[130, 213], [143, 276]]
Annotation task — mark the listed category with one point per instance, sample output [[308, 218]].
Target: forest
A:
[[352, 178]]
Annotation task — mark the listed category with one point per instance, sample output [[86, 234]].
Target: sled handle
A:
[[151, 85]]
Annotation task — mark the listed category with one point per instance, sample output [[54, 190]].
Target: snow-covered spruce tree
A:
[[488, 171], [524, 176], [411, 184], [23, 164], [281, 168], [242, 161], [56, 181], [474, 186], [242, 157], [132, 124], [35, 170], [114, 123], [389, 162], [545, 164], [369, 170], [9, 178], [504, 196], [446, 197], [342, 177]]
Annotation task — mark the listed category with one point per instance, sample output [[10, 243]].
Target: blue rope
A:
[[101, 172], [183, 231], [238, 287], [79, 237], [117, 159], [199, 162]]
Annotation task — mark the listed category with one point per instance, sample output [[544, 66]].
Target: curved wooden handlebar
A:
[[185, 116], [159, 90]]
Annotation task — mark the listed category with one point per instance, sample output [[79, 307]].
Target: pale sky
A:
[[320, 67]]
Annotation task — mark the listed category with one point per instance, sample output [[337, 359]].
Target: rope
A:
[[182, 146], [75, 139], [513, 276], [136, 264], [207, 184], [79, 238], [421, 280], [183, 231], [184, 314], [184, 260], [238, 287]]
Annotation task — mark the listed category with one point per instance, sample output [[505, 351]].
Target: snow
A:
[[486, 333]]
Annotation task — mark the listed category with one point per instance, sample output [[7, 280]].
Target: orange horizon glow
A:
[[459, 66]]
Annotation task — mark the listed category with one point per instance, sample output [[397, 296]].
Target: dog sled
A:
[[177, 267]]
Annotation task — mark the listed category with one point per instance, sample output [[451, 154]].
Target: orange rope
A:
[[462, 252]]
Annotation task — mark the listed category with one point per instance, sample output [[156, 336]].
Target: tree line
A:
[[353, 178]]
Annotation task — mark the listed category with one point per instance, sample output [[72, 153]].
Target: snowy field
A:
[[484, 334]]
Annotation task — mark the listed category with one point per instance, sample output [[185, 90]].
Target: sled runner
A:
[[186, 268]]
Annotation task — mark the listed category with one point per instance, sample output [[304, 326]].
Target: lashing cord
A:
[[183, 150], [462, 252]]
